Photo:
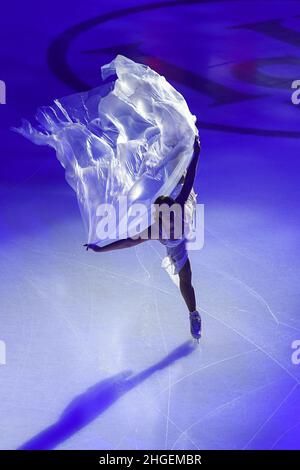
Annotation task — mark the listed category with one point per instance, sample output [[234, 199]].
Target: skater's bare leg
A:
[[186, 288], [188, 293]]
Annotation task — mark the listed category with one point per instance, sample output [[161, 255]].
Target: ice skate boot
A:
[[195, 324]]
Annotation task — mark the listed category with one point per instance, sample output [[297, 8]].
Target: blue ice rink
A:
[[98, 350]]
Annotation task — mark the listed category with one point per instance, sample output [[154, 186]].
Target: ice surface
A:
[[133, 136], [75, 322]]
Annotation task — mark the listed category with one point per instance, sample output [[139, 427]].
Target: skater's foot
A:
[[195, 323]]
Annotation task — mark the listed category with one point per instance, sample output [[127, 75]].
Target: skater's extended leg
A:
[[186, 288], [188, 293]]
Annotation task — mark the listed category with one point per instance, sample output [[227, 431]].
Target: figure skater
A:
[[175, 245]]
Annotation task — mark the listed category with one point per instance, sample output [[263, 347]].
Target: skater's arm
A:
[[190, 176], [118, 245]]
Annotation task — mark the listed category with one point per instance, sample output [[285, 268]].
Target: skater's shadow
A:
[[96, 399]]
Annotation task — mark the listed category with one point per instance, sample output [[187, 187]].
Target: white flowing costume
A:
[[132, 136]]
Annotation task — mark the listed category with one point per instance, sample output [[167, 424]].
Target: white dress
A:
[[176, 249], [131, 136]]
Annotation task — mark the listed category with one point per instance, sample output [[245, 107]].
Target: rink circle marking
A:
[[58, 63]]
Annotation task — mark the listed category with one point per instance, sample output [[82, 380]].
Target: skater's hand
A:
[[91, 246], [196, 144]]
